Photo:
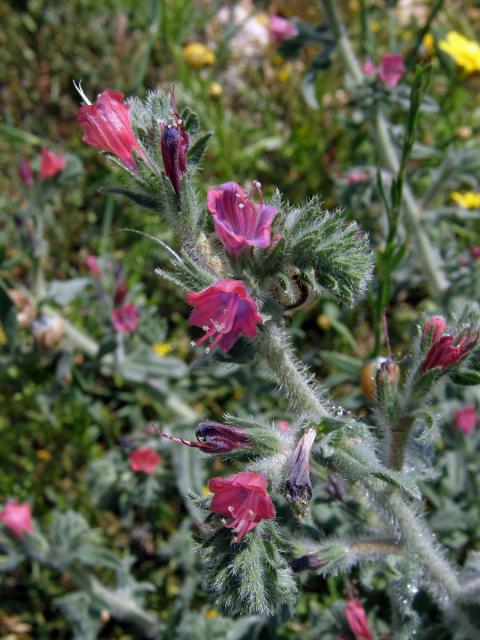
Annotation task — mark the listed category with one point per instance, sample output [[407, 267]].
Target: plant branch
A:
[[300, 388]]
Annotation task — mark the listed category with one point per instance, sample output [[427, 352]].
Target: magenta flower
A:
[[107, 126], [91, 263], [144, 460], [446, 349], [25, 172], [224, 311], [357, 620], [17, 517], [437, 325], [213, 437], [280, 29], [239, 222], [465, 419], [244, 499], [475, 251], [125, 319], [51, 163], [392, 69]]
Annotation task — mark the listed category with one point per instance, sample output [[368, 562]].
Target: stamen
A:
[[78, 87], [230, 508], [251, 515]]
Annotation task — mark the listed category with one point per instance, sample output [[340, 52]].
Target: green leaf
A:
[[198, 149], [143, 199], [465, 377], [62, 292]]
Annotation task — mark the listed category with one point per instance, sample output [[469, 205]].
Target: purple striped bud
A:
[[213, 437], [174, 146], [297, 485]]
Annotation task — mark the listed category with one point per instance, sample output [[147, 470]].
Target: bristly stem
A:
[[430, 259], [300, 388]]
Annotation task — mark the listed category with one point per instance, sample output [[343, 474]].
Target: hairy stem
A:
[[444, 579], [389, 156], [399, 437], [300, 388]]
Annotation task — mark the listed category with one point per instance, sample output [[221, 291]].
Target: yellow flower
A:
[[215, 90], [211, 613], [466, 53], [197, 55], [3, 337], [429, 43], [285, 72], [324, 321], [162, 348], [43, 454], [467, 200], [238, 393]]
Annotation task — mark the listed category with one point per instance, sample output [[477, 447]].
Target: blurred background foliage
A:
[[65, 423]]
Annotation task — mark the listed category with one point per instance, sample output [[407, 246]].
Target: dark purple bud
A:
[[174, 146], [297, 485], [304, 563], [213, 437], [336, 487], [25, 172], [121, 290]]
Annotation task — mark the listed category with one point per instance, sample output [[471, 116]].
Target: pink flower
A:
[[17, 517], [392, 69], [437, 325], [239, 222], [25, 172], [369, 68], [92, 265], [355, 177], [357, 620], [51, 163], [125, 319], [465, 419], [445, 349], [108, 127], [144, 460], [224, 311], [284, 425], [243, 498], [475, 251], [280, 29]]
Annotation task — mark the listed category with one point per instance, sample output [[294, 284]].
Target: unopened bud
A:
[[213, 437], [25, 172], [174, 146], [434, 328], [380, 369], [297, 485]]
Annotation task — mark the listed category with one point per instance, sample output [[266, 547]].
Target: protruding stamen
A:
[[78, 87]]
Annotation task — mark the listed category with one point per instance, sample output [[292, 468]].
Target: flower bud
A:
[[213, 437], [436, 325], [297, 485], [369, 371], [25, 172], [174, 145], [48, 331]]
